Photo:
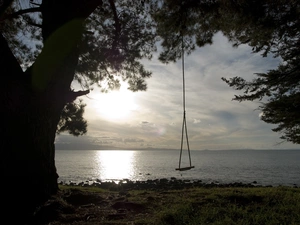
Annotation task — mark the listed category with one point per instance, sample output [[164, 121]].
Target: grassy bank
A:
[[231, 206], [216, 205]]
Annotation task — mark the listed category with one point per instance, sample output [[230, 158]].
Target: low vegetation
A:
[[189, 206]]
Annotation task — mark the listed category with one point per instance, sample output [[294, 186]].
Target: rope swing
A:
[[184, 126]]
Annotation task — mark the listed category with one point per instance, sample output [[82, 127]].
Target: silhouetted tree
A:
[[185, 24], [46, 45], [269, 27]]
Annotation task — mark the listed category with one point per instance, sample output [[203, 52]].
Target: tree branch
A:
[[33, 3], [117, 22], [55, 17], [35, 24], [72, 95], [116, 18], [20, 12]]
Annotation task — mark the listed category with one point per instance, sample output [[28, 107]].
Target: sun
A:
[[117, 104]]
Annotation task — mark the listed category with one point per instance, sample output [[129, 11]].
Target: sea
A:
[[262, 167]]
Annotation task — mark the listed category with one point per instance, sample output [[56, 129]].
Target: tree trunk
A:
[[32, 102], [27, 132], [27, 162]]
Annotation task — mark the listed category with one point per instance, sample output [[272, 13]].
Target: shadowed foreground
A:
[[206, 204]]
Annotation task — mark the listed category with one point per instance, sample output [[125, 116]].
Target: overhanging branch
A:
[[20, 12], [33, 3], [72, 95], [117, 22], [116, 18], [34, 24]]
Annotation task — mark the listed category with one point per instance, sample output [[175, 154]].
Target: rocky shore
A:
[[157, 184]]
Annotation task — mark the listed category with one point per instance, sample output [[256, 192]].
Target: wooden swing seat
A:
[[185, 168]]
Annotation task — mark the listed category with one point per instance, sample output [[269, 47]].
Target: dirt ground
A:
[[130, 203], [80, 207]]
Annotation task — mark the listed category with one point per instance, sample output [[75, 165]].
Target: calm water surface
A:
[[266, 167]]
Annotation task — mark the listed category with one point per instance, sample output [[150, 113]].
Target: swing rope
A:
[[184, 126]]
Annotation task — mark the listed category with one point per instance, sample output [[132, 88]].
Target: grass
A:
[[234, 206], [218, 206]]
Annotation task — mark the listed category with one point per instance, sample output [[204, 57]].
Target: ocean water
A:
[[266, 167]]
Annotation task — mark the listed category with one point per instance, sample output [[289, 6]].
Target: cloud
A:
[[132, 140], [214, 121], [196, 121]]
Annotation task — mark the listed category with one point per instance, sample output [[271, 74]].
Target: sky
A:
[[153, 119]]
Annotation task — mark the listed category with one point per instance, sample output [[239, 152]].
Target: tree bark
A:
[[31, 108], [27, 134]]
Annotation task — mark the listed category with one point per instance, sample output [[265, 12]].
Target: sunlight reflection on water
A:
[[114, 165], [267, 167]]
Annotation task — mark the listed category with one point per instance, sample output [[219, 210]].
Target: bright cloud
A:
[[154, 118]]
